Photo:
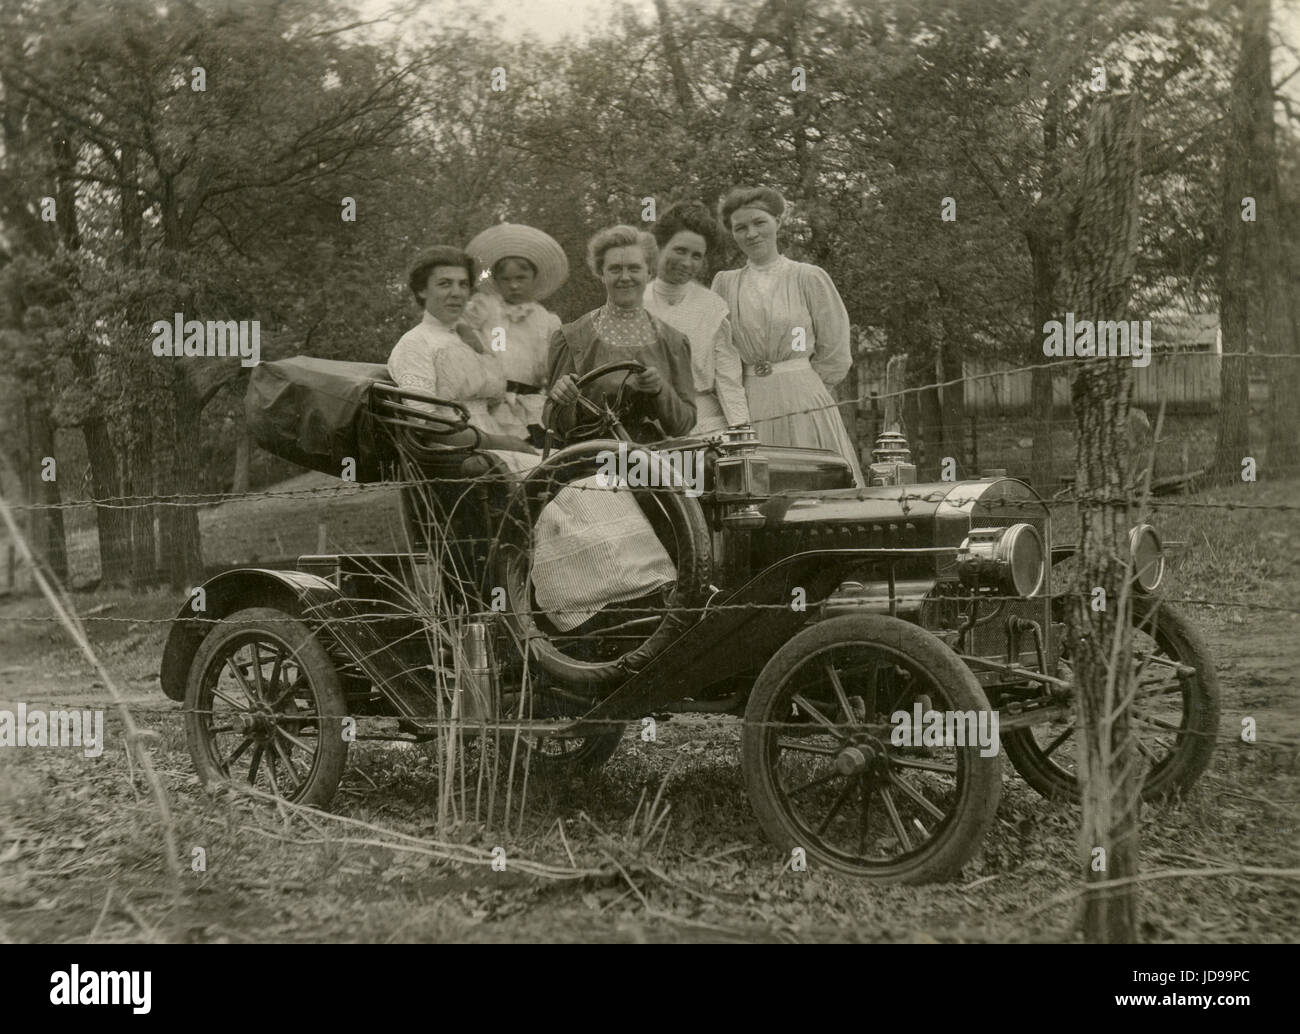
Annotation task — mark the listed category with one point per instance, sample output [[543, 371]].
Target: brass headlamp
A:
[[741, 478]]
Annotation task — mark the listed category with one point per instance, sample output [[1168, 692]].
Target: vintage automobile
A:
[[817, 610]]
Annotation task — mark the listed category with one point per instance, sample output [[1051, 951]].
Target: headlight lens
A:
[[1011, 559], [1148, 558], [741, 477]]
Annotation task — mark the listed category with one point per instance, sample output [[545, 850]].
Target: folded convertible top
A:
[[316, 413]]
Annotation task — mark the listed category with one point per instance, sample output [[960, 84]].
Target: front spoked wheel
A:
[[1175, 713], [264, 706], [823, 770]]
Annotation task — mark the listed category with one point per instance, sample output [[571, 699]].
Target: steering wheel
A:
[[605, 415]]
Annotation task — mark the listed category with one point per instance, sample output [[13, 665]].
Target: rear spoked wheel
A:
[[563, 755], [1175, 713], [264, 707], [822, 768]]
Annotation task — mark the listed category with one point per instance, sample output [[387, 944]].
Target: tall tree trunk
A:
[[1239, 265], [64, 146], [243, 456], [952, 397], [181, 542], [139, 480], [48, 541], [110, 521], [1275, 278], [672, 54], [1098, 268], [1045, 257], [1043, 238]]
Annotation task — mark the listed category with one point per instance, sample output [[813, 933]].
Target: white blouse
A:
[[769, 302], [526, 330], [433, 357], [702, 316]]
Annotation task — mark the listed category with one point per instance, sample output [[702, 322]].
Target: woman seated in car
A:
[[444, 356], [659, 401]]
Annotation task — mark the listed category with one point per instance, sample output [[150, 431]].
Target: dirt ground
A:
[[81, 853]]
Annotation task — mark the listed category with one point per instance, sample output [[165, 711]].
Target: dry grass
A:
[[661, 845]]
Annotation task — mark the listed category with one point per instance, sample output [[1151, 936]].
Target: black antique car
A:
[[829, 616]]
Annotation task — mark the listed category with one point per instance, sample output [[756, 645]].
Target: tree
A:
[[1244, 175], [1101, 244], [206, 131]]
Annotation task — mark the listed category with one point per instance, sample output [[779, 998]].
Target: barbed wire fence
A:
[[903, 494]]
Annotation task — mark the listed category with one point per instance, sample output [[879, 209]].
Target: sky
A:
[[550, 20]]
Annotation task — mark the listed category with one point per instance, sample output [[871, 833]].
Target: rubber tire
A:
[[1183, 642], [332, 755], [982, 789], [694, 567], [590, 757]]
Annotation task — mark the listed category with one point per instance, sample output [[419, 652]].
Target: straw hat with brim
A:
[[514, 239]]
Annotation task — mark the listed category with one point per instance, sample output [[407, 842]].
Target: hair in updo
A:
[[620, 236], [769, 200], [693, 216], [424, 264]]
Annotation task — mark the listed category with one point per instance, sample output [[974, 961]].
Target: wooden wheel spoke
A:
[[254, 763], [835, 808], [924, 765], [895, 819], [1051, 747], [288, 761], [270, 774], [864, 815], [916, 795], [1159, 723], [249, 692], [220, 695], [800, 701], [832, 774], [898, 697], [257, 670], [277, 668], [789, 743], [840, 695], [290, 688], [293, 739], [244, 744], [1147, 751]]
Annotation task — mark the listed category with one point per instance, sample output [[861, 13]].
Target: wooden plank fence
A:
[[1189, 382]]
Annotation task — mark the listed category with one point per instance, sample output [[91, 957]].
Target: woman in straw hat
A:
[[526, 266], [663, 400]]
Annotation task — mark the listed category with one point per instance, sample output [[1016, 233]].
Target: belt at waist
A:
[[763, 369], [522, 389]]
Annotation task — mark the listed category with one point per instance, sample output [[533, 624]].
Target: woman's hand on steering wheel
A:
[[565, 391], [568, 389], [648, 381], [603, 418]]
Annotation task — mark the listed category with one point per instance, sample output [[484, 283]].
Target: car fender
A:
[[738, 631], [295, 592]]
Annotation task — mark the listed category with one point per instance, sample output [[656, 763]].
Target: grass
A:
[[80, 848]]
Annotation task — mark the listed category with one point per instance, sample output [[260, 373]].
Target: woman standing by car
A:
[[686, 234], [790, 328], [663, 400]]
